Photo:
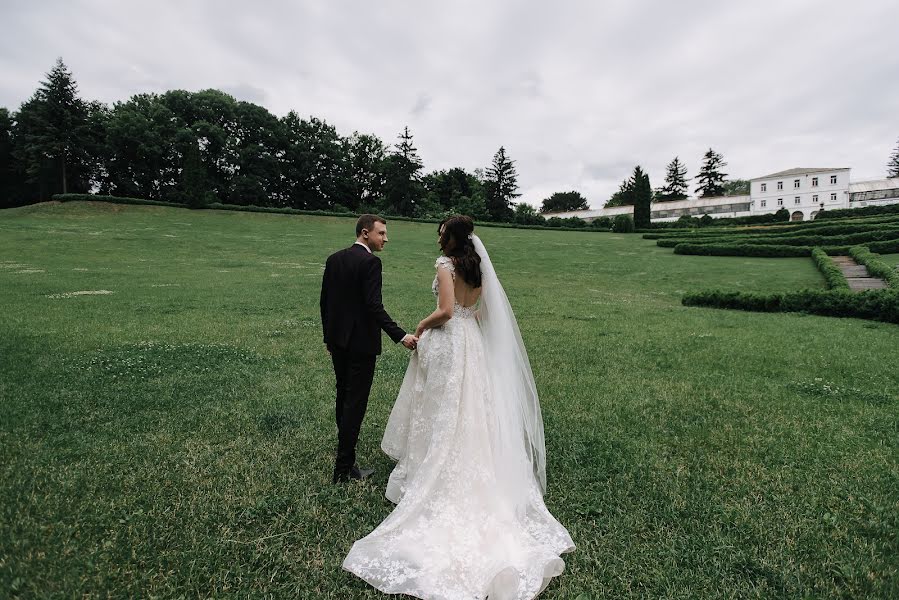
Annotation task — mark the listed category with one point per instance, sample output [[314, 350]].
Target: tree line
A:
[[203, 147], [199, 148]]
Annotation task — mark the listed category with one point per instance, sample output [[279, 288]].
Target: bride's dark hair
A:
[[455, 241]]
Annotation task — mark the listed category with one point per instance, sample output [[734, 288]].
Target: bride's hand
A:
[[419, 330]]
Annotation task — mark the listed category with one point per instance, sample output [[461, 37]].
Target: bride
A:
[[467, 434]]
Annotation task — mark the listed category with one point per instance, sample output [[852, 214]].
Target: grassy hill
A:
[[169, 430]]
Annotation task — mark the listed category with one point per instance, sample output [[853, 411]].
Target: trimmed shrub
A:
[[604, 223], [875, 266], [887, 247], [833, 276], [623, 224], [839, 213], [769, 251], [878, 305]]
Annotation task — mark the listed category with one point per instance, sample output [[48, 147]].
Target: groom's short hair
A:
[[368, 222]]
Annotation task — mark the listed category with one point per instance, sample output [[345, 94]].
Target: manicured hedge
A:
[[769, 251], [889, 209], [833, 276], [871, 234], [878, 305], [876, 267], [831, 227]]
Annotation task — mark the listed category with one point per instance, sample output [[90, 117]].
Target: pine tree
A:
[[893, 165], [50, 130], [624, 196], [675, 187], [711, 179], [501, 187], [403, 180], [642, 193]]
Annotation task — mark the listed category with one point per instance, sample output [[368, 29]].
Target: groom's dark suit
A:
[[352, 318]]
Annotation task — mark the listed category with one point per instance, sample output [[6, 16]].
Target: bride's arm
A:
[[445, 300]]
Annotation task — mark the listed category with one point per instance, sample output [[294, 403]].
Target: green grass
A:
[[175, 437]]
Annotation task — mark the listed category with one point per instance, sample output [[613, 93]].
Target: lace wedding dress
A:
[[468, 522]]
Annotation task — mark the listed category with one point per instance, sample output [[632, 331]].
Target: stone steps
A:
[[857, 275]]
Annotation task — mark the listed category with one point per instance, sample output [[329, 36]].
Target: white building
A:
[[804, 192]]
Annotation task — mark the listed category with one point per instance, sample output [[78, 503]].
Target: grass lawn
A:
[[175, 437]]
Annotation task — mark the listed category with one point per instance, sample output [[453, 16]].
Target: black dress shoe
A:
[[354, 473]]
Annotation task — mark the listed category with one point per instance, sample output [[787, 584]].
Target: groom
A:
[[352, 318]]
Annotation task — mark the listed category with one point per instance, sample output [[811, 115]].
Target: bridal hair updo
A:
[[456, 243]]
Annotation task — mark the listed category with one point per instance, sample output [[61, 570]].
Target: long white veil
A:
[[519, 446]]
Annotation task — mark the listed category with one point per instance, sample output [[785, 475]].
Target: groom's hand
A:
[[410, 341]]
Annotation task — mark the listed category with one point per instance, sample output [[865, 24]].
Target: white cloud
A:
[[577, 92]]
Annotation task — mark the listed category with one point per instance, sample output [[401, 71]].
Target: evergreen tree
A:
[[711, 179], [893, 165], [403, 182], [675, 187], [642, 194], [51, 130], [736, 187], [11, 179], [624, 196], [501, 186]]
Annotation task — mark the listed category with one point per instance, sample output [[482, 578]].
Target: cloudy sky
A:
[[577, 91]]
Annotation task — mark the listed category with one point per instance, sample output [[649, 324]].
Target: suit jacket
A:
[[352, 312]]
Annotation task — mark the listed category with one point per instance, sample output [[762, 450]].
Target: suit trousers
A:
[[354, 374]]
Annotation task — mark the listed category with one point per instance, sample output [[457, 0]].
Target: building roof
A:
[[874, 185], [799, 171]]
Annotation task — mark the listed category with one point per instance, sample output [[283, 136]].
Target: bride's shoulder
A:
[[445, 262]]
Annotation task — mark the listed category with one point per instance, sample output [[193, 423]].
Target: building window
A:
[[833, 179], [764, 187], [796, 201], [780, 185], [780, 201], [814, 182], [833, 197], [815, 198], [764, 202], [795, 184]]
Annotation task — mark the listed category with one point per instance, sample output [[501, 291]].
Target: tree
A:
[[563, 202], [501, 186], [51, 130], [193, 178], [642, 198], [623, 224], [315, 163], [893, 165], [525, 214], [447, 187], [736, 187], [711, 179], [367, 156], [624, 196], [403, 182], [474, 206], [12, 178], [675, 187]]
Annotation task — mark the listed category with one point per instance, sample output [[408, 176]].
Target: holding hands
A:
[[411, 341]]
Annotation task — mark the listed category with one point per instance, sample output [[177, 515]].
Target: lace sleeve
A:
[[447, 263]]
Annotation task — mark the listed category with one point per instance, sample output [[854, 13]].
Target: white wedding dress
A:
[[470, 521]]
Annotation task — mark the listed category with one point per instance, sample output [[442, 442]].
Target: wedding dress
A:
[[467, 436]]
